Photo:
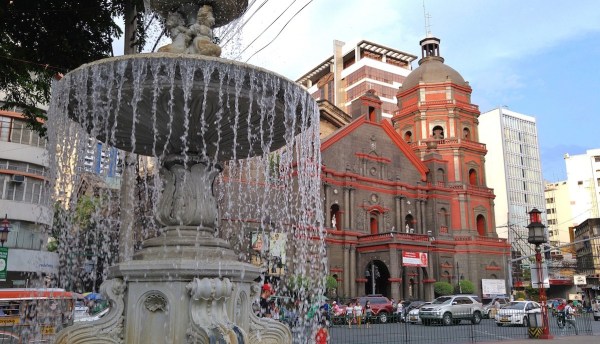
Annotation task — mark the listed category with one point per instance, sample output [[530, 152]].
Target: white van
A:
[[596, 309]]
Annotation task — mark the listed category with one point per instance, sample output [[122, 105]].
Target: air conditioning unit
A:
[[17, 178]]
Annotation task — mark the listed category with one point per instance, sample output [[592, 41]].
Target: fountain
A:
[[198, 118]]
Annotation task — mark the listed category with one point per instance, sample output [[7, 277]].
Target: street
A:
[[486, 331]]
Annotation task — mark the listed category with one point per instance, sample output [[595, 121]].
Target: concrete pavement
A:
[[556, 340]]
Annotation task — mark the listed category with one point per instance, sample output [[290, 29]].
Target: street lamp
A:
[[537, 236], [4, 230]]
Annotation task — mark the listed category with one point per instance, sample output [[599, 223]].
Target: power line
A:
[[294, 16], [260, 34], [45, 65], [235, 30]]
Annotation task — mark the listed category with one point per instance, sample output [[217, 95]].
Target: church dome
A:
[[432, 68]]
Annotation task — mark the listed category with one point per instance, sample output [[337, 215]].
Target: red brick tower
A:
[[436, 117]]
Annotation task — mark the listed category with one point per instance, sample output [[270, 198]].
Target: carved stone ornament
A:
[[187, 197], [155, 302], [106, 330], [208, 313]]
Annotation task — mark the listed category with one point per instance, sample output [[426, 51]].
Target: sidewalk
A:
[[556, 340]]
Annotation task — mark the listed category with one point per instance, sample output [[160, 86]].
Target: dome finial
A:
[[427, 21]]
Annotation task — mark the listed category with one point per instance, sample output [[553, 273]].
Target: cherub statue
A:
[[179, 32], [203, 34]]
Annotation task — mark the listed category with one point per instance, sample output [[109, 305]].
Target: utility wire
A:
[[263, 31], [237, 29], [294, 16]]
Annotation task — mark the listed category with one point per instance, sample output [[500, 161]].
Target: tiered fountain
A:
[[190, 111]]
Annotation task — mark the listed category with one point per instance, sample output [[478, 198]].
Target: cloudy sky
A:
[[537, 57]]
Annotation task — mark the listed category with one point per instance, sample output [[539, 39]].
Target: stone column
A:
[[420, 289], [422, 213], [353, 271], [417, 218], [402, 213], [350, 209], [395, 273], [346, 249], [346, 215], [326, 205], [397, 213]]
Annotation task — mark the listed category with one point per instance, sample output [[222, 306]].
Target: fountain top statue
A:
[[224, 11]]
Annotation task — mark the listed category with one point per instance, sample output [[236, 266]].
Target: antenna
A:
[[427, 21]]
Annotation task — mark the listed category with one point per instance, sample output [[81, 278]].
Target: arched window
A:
[[335, 217], [473, 177], [409, 224], [374, 223], [466, 134], [440, 175], [408, 136], [481, 225], [443, 220], [446, 276], [437, 132]]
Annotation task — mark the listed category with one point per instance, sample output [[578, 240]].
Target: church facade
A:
[[405, 199]]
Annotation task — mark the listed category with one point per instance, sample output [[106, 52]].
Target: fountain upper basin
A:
[[163, 103]]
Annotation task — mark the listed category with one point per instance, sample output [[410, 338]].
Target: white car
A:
[[413, 315], [517, 313]]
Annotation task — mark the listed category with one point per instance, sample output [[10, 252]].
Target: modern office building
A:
[[348, 74], [25, 202], [513, 169]]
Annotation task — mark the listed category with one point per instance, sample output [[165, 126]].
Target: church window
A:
[[408, 136], [374, 223], [473, 177], [481, 225], [466, 134], [438, 132], [335, 217]]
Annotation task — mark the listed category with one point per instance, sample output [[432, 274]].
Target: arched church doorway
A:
[[377, 275]]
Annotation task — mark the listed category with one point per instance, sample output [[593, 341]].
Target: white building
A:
[[583, 180], [559, 213], [513, 169], [24, 200]]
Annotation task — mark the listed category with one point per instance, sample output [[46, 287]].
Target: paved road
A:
[[487, 331]]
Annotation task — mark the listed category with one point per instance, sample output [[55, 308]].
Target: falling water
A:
[[260, 128]]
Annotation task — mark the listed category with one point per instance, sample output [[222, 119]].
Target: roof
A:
[[325, 66], [432, 70]]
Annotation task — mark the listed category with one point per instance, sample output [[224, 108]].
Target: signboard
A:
[[278, 243], [575, 297], [534, 276], [418, 259], [260, 242], [579, 280], [492, 287], [3, 262]]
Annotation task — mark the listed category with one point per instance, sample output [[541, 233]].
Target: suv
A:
[[452, 309], [381, 306]]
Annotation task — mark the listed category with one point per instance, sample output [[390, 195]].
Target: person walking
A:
[[358, 313], [350, 314], [400, 311], [570, 316], [368, 313]]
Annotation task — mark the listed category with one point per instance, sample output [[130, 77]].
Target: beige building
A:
[[558, 212]]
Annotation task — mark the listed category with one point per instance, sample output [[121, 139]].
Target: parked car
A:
[[452, 309], [381, 306], [413, 314], [487, 309], [517, 313]]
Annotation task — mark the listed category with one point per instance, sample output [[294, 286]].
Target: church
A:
[[404, 197]]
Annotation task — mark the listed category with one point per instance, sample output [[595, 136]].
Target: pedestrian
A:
[[322, 336], [400, 311], [358, 313], [570, 316], [350, 314], [368, 313]]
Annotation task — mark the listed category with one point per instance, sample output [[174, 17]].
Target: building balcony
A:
[[449, 143], [394, 237]]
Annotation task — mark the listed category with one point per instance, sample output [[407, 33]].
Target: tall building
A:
[[348, 74], [583, 180], [24, 201], [102, 160], [405, 198], [513, 170], [559, 213]]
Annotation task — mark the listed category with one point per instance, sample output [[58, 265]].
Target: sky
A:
[[539, 58]]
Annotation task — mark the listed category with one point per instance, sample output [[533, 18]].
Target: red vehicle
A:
[[381, 306]]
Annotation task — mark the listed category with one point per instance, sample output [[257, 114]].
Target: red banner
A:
[[419, 259]]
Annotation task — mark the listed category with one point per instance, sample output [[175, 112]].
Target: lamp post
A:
[[537, 236], [4, 230]]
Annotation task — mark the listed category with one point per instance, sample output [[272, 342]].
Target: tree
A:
[[465, 287], [442, 288], [39, 39]]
